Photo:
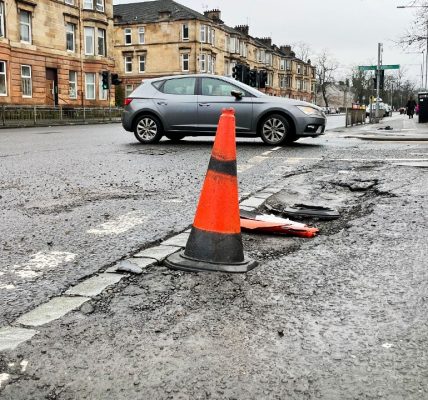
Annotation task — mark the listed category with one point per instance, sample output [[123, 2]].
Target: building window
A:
[[3, 80], [128, 90], [185, 32], [128, 64], [102, 93], [269, 79], [203, 33], [141, 32], [99, 5], [226, 67], [142, 63], [89, 41], [299, 69], [288, 65], [70, 2], [25, 26], [185, 62], [70, 31], [202, 62], [88, 4], [90, 86], [213, 37], [128, 36], [72, 84], [1, 19], [26, 81], [101, 42]]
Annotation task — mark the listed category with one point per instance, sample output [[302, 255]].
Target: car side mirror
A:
[[236, 94]]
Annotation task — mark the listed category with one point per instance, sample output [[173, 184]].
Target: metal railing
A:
[[12, 116], [355, 116]]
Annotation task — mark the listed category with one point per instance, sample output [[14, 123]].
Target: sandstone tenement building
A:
[[52, 52]]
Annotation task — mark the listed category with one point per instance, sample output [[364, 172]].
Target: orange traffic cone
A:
[[215, 242]]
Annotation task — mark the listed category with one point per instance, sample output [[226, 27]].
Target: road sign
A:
[[374, 67], [396, 66], [367, 67]]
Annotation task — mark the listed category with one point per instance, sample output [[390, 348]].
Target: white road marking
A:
[[244, 167], [257, 159], [7, 286], [42, 261], [120, 225], [276, 148]]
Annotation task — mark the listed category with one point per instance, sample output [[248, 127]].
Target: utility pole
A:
[[379, 63]]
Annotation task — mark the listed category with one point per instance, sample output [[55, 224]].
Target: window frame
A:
[[5, 77], [127, 62], [140, 58], [142, 30], [73, 32], [69, 2], [92, 84], [127, 94], [203, 34], [182, 56], [202, 59], [183, 27], [128, 32], [2, 20], [92, 29], [29, 78], [21, 24], [104, 42], [91, 2], [70, 84], [99, 5]]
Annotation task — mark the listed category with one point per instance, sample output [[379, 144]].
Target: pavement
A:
[[395, 128]]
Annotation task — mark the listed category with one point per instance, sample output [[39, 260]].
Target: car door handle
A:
[[162, 103], [204, 105]]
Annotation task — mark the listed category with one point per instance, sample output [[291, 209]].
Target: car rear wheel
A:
[[148, 129], [175, 138], [275, 130]]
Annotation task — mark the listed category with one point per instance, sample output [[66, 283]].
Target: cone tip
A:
[[228, 111]]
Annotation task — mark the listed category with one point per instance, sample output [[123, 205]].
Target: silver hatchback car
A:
[[190, 105]]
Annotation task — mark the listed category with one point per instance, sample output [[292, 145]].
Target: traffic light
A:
[[237, 72], [262, 79], [115, 79], [375, 82], [106, 83], [246, 75], [253, 78]]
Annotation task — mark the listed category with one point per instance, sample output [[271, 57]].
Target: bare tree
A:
[[302, 50], [416, 36], [326, 67]]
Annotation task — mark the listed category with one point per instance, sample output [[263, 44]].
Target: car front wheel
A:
[[148, 129], [275, 130]]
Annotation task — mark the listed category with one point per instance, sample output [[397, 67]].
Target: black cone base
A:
[[179, 261]]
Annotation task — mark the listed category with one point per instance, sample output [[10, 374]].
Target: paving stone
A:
[[179, 240], [11, 337], [52, 310], [158, 253], [272, 190], [95, 285], [246, 208], [253, 202], [263, 195], [133, 265]]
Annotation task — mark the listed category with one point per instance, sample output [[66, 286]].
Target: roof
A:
[[148, 11]]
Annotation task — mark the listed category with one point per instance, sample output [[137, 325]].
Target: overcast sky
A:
[[349, 29]]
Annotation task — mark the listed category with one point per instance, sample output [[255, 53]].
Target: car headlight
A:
[[310, 111]]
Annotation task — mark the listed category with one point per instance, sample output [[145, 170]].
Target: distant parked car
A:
[[190, 105], [382, 111]]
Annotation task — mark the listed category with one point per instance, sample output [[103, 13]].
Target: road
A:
[[342, 316]]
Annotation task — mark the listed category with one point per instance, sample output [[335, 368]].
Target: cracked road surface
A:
[[340, 316]]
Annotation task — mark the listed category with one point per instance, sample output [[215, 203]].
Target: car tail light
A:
[[127, 101]]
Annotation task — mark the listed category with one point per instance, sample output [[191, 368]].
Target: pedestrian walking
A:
[[411, 105]]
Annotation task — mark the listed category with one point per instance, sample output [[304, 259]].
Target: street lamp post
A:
[[426, 54]]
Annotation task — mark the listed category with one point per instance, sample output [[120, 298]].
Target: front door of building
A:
[[51, 87]]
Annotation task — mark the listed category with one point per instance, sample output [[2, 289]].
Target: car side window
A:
[[218, 87], [179, 86]]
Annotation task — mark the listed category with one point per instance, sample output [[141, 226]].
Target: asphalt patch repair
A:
[[326, 318]]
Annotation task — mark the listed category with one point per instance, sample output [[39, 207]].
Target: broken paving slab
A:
[[178, 240], [246, 208], [272, 190], [95, 285], [158, 253], [52, 310], [11, 337], [252, 202], [132, 265], [263, 195]]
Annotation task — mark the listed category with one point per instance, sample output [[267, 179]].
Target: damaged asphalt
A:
[[341, 316]]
